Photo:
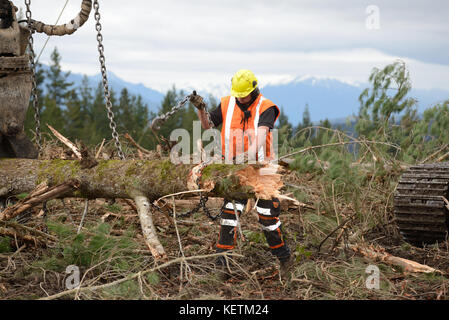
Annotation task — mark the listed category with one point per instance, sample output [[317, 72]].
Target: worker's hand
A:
[[197, 101]]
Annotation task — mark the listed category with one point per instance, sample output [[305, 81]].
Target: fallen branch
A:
[[42, 193], [25, 237], [30, 235], [337, 144], [148, 229], [379, 254], [65, 141], [100, 149], [21, 227], [434, 154], [138, 274], [444, 156], [341, 225], [133, 142]]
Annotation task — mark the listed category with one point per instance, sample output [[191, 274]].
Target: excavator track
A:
[[420, 204]]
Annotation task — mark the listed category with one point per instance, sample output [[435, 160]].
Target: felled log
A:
[[144, 181], [379, 254], [128, 179]]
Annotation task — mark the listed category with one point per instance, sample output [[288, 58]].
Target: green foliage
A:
[[91, 248], [428, 133], [57, 94], [302, 253], [153, 278], [115, 208], [79, 113], [386, 99], [22, 196], [341, 176], [5, 245], [127, 289], [285, 130], [254, 236]]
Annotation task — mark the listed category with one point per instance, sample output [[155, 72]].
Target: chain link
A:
[[34, 95], [201, 205], [160, 120], [203, 199], [107, 94]]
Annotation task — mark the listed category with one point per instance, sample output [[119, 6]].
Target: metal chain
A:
[[34, 95], [159, 120], [201, 205], [203, 200], [107, 94]]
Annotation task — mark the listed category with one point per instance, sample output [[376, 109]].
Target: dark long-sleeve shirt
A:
[[267, 118]]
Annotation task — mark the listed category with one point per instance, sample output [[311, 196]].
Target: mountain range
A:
[[326, 98]]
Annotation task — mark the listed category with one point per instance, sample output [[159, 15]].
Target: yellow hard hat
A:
[[243, 83]]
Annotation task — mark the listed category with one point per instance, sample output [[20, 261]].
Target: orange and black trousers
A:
[[268, 212]]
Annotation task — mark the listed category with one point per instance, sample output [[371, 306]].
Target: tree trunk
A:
[[128, 179], [140, 180]]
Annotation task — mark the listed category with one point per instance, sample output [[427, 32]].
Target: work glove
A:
[[197, 101]]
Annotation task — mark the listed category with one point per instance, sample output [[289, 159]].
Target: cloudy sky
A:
[[201, 43]]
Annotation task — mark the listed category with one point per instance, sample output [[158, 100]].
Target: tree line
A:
[[387, 114]]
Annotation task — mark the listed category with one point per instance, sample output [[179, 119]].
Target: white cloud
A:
[[201, 43]]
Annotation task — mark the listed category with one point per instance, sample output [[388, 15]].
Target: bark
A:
[[129, 179], [140, 180], [148, 229]]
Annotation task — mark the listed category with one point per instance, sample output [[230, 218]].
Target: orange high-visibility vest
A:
[[234, 140]]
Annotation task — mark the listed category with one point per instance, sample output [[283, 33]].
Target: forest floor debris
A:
[[110, 247]]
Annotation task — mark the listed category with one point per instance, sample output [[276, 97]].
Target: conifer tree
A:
[[385, 100], [56, 96], [306, 122]]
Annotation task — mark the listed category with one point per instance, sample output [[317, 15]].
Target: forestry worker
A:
[[247, 119]]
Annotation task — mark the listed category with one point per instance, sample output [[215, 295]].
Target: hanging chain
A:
[[203, 198], [160, 120], [34, 95], [107, 94]]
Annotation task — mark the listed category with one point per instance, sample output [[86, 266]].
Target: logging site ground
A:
[[343, 224], [363, 204]]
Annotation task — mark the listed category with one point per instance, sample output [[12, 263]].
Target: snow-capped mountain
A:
[[327, 98], [149, 96]]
